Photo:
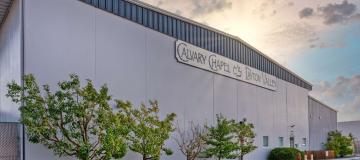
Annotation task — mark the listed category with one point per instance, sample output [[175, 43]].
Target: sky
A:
[[317, 39]]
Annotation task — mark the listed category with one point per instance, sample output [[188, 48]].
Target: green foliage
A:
[[219, 140], [149, 133], [244, 136], [284, 154], [229, 140], [74, 120], [341, 145]]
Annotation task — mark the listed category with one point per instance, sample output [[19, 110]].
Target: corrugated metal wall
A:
[[197, 35], [322, 120], [10, 61]]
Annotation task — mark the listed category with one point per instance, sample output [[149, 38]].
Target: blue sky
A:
[[318, 64], [317, 39]]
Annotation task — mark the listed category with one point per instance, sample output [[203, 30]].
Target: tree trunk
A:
[[241, 157]]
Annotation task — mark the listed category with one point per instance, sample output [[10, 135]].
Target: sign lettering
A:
[[201, 58]]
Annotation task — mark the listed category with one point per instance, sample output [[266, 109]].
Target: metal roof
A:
[[4, 9]]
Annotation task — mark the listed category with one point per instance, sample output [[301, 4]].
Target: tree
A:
[[219, 140], [75, 121], [191, 143], [149, 133], [340, 144], [244, 136]]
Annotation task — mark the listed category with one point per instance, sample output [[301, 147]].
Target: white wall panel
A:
[[120, 57], [178, 88], [297, 108], [280, 114], [225, 96], [10, 60], [59, 40], [321, 121], [348, 127], [246, 106]]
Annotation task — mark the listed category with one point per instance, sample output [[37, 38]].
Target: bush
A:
[[340, 144], [285, 154]]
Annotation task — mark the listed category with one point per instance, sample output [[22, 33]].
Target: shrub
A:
[[284, 154], [340, 144]]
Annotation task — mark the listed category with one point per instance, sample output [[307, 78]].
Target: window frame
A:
[[281, 141], [265, 141], [304, 142]]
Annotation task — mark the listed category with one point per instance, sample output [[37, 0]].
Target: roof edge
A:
[[6, 13], [322, 103], [143, 4]]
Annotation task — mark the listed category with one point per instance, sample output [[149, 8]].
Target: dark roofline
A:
[[138, 2], [201, 35], [4, 14], [314, 99]]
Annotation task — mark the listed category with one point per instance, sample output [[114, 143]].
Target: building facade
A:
[[142, 53], [350, 127], [322, 120]]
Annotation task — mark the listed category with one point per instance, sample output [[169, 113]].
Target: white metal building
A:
[[141, 53]]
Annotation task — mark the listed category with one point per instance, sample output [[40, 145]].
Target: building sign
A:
[[201, 58]]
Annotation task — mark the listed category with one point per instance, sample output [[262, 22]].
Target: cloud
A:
[[267, 8], [306, 12], [355, 84], [263, 6], [314, 39], [354, 18], [337, 13], [178, 12], [210, 6], [293, 33], [334, 44], [273, 12], [339, 89], [350, 110], [291, 4], [159, 3], [333, 13], [343, 93]]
